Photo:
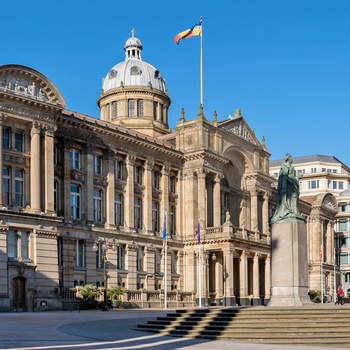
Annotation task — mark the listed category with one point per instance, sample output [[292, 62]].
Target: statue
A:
[[287, 197]]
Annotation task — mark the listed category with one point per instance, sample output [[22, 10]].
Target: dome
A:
[[133, 71]]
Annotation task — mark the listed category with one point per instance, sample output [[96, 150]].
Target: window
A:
[[60, 251], [156, 179], [172, 219], [118, 209], [121, 252], [343, 225], [344, 207], [19, 188], [347, 277], [335, 171], [99, 256], [74, 159], [131, 108], [140, 108], [162, 113], [55, 154], [335, 185], [155, 216], [98, 205], [137, 213], [276, 174], [118, 170], [174, 258], [313, 170], [80, 253], [97, 165], [138, 175], [155, 109], [17, 245], [6, 186], [343, 242], [172, 184], [157, 261], [139, 259], [344, 258], [19, 141], [313, 184], [340, 185], [114, 110], [55, 195], [75, 202], [6, 138]]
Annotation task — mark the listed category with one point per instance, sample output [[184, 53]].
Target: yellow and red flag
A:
[[196, 30]]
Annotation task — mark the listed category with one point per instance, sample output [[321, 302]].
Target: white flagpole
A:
[[166, 274], [200, 276], [201, 63]]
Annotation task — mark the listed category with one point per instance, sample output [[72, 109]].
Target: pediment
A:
[[239, 127], [26, 82]]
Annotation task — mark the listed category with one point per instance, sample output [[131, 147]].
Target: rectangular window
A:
[[118, 209], [313, 170], [139, 257], [114, 110], [80, 253], [99, 256], [55, 154], [24, 245], [19, 188], [172, 220], [335, 183], [131, 108], [344, 258], [118, 170], [155, 110], [162, 113], [137, 213], [140, 108], [6, 186], [313, 184], [121, 251], [74, 160], [75, 203], [156, 179], [55, 195], [347, 277], [340, 185], [343, 225], [97, 165], [138, 175], [12, 238], [155, 216], [98, 205], [172, 184], [60, 251], [344, 207], [19, 141], [6, 138]]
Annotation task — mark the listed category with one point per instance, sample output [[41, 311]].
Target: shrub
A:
[[90, 292]]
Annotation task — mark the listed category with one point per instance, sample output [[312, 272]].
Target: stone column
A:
[[66, 178], [110, 191], [243, 279], [49, 172], [202, 207], [254, 210], [268, 277], [191, 211], [217, 201], [149, 267], [129, 193], [330, 243], [265, 213], [147, 200], [131, 266], [230, 299], [35, 167], [1, 160], [256, 280]]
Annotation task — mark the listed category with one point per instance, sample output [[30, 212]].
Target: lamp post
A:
[[104, 245], [213, 257]]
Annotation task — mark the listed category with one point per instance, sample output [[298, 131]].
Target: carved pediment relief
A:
[[239, 128], [26, 82]]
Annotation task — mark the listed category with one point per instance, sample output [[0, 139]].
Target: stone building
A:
[[78, 192]]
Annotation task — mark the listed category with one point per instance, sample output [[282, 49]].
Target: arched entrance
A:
[[18, 293]]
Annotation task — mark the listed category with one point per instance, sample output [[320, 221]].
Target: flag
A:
[[321, 252], [164, 229], [196, 30], [199, 232]]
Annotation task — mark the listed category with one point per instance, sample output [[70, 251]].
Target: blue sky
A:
[[284, 63]]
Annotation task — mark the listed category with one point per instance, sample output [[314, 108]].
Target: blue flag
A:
[[199, 232], [164, 229]]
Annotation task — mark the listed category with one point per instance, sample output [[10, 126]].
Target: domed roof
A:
[[133, 71]]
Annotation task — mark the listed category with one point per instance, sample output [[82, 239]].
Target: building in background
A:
[[84, 199], [321, 176]]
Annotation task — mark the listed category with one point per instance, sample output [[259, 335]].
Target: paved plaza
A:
[[102, 330]]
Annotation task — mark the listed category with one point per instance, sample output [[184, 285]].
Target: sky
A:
[[283, 63]]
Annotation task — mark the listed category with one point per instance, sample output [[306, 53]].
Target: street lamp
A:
[[105, 244], [213, 257]]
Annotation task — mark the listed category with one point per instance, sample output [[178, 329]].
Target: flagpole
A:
[[165, 243], [199, 265], [201, 62]]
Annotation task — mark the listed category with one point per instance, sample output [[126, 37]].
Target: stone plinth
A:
[[289, 267]]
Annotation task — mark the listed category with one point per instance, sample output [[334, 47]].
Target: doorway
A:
[[18, 293]]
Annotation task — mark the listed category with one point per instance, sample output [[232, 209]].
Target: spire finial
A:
[[133, 32]]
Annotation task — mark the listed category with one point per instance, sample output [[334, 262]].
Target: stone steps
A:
[[321, 326]]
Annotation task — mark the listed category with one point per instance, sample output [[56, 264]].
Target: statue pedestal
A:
[[289, 265]]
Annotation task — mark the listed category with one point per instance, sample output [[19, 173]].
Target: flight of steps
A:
[[316, 326]]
